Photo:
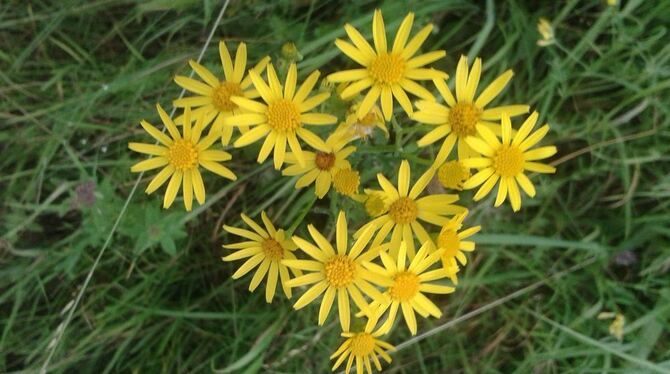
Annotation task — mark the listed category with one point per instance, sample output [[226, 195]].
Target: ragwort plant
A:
[[376, 274]]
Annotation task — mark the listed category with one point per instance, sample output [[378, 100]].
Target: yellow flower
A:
[[336, 273], [409, 285], [506, 160], [458, 119], [363, 126], [547, 31], [452, 242], [346, 182], [406, 209], [321, 166], [212, 97], [617, 325], [363, 346], [282, 117], [387, 73], [180, 156], [265, 248], [375, 203], [453, 174]]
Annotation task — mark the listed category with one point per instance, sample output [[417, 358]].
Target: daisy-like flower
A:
[[545, 29], [212, 98], [282, 117], [321, 166], [387, 73], [336, 273], [506, 160], [346, 182], [364, 347], [265, 248], [375, 203], [453, 243], [452, 175], [406, 209], [409, 285], [180, 155], [363, 126], [459, 118]]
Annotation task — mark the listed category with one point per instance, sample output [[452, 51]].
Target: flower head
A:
[[282, 116], [507, 159], [336, 273], [180, 155], [375, 203], [453, 174], [213, 97], [452, 244], [387, 73], [406, 210], [265, 249], [363, 346], [409, 285], [346, 182], [545, 29], [461, 115], [323, 165]]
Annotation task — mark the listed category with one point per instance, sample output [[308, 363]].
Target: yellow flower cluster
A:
[[414, 244]]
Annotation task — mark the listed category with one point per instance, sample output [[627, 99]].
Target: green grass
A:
[[76, 77]]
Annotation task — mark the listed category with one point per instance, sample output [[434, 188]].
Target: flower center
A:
[[453, 174], [182, 155], [405, 286], [508, 161], [375, 205], [346, 181], [463, 119], [362, 344], [403, 210], [448, 239], [272, 249], [283, 116], [324, 161], [222, 94], [387, 68], [340, 271]]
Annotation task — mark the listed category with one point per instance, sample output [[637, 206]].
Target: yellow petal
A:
[[416, 42], [194, 86], [219, 169], [306, 87], [290, 83], [187, 190], [240, 63], [494, 89], [203, 73], [172, 189], [359, 41], [160, 179], [198, 187], [326, 304], [226, 61], [149, 164], [379, 32], [403, 33], [149, 149], [156, 134], [343, 308], [310, 295]]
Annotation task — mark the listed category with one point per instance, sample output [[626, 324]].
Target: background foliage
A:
[[77, 76]]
